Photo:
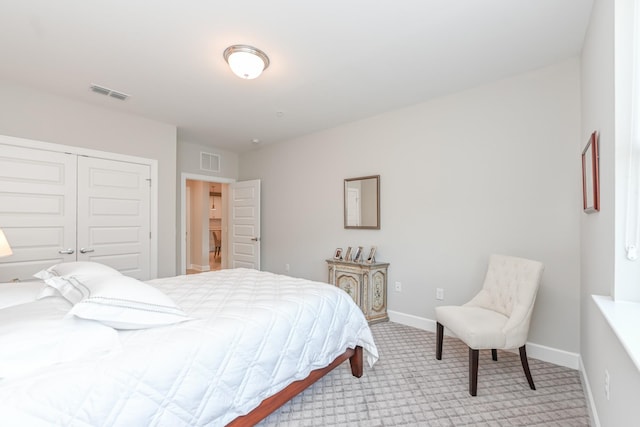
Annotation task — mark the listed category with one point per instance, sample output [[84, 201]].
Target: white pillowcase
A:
[[15, 293], [123, 302], [77, 268], [38, 334], [57, 277]]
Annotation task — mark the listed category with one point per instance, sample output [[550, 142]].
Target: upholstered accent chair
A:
[[498, 317]]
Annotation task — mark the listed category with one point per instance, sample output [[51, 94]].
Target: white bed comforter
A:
[[254, 333]]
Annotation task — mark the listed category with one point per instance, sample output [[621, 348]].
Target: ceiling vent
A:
[[109, 92]]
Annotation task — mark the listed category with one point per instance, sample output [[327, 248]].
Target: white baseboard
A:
[[536, 351], [553, 355], [591, 404], [201, 268], [411, 320]]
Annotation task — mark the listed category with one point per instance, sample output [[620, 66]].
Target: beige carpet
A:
[[409, 387]]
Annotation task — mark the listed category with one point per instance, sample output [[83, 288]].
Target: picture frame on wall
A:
[[337, 254], [358, 255], [591, 175]]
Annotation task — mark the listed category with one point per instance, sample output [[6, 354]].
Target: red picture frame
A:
[[591, 175]]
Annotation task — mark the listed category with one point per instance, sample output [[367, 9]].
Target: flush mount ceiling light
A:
[[245, 61]]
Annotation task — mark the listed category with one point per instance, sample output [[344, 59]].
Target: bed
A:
[[238, 344]]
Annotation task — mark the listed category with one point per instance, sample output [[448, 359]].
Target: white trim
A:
[[591, 403], [153, 221], [623, 317], [536, 351], [72, 149], [152, 163], [201, 268], [184, 176], [554, 355], [411, 320]]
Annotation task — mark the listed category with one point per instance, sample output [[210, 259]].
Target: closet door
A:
[[113, 215], [56, 206], [37, 209]]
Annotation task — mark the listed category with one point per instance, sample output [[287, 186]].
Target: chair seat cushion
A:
[[477, 327]]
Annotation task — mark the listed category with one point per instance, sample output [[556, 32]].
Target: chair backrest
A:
[[510, 282]]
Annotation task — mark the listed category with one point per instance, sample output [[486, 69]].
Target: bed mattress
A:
[[253, 334]]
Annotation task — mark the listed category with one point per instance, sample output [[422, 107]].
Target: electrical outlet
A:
[[607, 384], [398, 287], [287, 267], [440, 294]]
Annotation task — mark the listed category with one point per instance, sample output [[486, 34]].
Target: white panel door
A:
[[244, 235], [113, 215], [353, 207], [37, 209]]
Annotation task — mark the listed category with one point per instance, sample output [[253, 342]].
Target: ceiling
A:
[[332, 61]]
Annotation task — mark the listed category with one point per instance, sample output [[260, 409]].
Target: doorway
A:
[[205, 220], [216, 214], [240, 230]]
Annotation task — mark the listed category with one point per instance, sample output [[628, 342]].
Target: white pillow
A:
[[77, 268], [38, 334], [123, 302], [58, 276], [15, 293]]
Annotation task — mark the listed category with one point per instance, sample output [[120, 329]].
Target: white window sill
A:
[[624, 319]]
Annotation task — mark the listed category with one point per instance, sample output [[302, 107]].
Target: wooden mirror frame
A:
[[591, 176], [372, 225]]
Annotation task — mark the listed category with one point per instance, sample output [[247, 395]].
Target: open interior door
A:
[[244, 224]]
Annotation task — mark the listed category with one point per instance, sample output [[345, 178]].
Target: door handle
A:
[[255, 239], [66, 251], [86, 250]]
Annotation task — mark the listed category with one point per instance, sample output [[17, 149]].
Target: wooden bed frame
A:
[[270, 404]]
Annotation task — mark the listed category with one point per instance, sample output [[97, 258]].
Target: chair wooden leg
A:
[[494, 354], [473, 371], [439, 338], [525, 366]]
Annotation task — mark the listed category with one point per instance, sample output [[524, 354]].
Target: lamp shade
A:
[[246, 62], [5, 249]]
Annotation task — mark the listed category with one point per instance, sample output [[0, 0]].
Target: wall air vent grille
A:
[[118, 95], [209, 162], [109, 92]]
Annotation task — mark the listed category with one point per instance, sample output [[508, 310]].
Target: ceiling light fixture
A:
[[246, 62]]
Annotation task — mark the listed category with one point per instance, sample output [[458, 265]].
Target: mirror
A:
[[362, 202]]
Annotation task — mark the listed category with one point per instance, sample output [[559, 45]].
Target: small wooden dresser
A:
[[366, 283]]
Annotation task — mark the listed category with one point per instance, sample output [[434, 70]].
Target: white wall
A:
[[495, 169], [189, 160], [28, 113], [199, 220], [603, 264]]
